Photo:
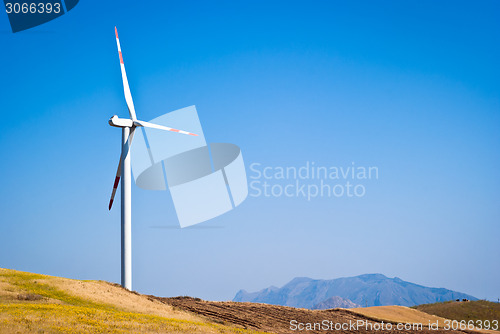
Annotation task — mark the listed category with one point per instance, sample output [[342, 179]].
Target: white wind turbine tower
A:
[[128, 127]]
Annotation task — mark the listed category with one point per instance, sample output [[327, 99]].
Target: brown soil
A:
[[276, 319]]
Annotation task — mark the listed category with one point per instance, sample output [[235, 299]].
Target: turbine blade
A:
[[126, 88], [161, 127], [119, 170], [115, 185]]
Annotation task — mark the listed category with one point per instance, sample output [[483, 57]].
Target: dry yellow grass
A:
[[7, 291], [32, 303], [402, 314], [397, 314], [105, 293]]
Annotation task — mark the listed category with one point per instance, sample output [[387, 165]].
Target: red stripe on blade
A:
[[121, 58], [175, 130], [116, 32], [193, 134], [117, 180]]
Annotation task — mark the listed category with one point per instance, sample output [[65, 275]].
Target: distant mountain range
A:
[[364, 290]]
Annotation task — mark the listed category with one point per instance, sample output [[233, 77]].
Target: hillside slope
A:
[[364, 290], [45, 304], [277, 319], [32, 303], [403, 314], [396, 314], [471, 310]]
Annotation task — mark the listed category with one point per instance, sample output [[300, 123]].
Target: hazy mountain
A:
[[335, 302], [365, 290]]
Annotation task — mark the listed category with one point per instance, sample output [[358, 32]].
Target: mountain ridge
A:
[[335, 302], [365, 290]]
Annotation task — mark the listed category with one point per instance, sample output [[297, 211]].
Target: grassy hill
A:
[[33, 303], [471, 310]]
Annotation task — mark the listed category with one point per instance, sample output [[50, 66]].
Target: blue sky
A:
[[410, 87]]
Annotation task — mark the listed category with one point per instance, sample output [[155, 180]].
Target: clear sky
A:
[[411, 87]]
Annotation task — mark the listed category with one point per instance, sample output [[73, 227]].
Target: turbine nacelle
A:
[[128, 123], [120, 122]]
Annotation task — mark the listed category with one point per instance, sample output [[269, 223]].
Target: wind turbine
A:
[[128, 126]]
